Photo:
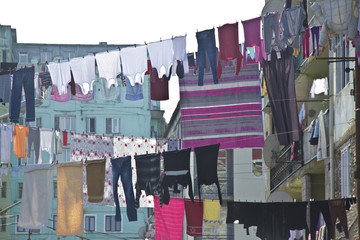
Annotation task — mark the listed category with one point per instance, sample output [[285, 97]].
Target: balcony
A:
[[285, 167]]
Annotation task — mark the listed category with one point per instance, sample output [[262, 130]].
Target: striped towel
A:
[[45, 79], [169, 219], [228, 113]]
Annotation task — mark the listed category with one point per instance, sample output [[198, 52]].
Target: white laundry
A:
[[46, 142], [4, 171], [83, 70], [322, 144], [319, 86], [109, 66], [179, 46], [36, 197], [60, 75], [336, 17], [6, 137], [134, 62], [161, 56]]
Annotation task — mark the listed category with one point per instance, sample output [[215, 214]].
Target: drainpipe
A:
[[331, 130]]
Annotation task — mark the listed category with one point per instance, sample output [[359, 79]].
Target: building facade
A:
[[118, 117], [310, 176]]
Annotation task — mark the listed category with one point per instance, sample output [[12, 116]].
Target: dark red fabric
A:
[[65, 138], [251, 34], [194, 217], [159, 88], [229, 46]]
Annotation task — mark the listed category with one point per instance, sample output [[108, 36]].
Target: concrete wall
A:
[[247, 187]]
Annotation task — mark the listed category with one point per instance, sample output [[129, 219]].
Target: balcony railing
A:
[[285, 166]]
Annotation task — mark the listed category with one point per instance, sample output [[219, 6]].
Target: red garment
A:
[[252, 35], [229, 46], [305, 43], [65, 138], [194, 217], [159, 88]]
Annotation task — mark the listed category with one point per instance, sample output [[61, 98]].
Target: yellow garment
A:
[[69, 200], [264, 87], [296, 52], [20, 135], [211, 212]]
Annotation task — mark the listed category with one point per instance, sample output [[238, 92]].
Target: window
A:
[[23, 58], [345, 172], [65, 156], [4, 55], [20, 184], [3, 224], [54, 222], [68, 54], [67, 123], [19, 229], [341, 50], [55, 189], [24, 230], [3, 190], [112, 125], [90, 222], [90, 125], [111, 225], [257, 162], [45, 57]]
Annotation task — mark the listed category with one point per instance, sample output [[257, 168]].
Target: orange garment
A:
[[20, 135]]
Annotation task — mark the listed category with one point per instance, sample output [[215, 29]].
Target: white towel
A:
[[179, 45], [109, 66], [161, 56], [60, 75], [36, 196], [134, 62], [83, 70], [46, 136]]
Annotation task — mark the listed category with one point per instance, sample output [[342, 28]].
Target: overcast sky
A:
[[123, 22]]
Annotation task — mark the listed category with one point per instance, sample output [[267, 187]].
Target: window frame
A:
[[25, 230], [112, 231], [3, 190], [64, 121], [88, 125], [89, 216], [23, 55], [20, 189], [54, 221], [3, 224]]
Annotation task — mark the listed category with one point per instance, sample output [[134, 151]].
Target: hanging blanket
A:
[[36, 196], [70, 203], [228, 113], [169, 219]]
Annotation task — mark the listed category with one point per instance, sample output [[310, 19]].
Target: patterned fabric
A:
[[228, 113], [86, 147], [125, 146]]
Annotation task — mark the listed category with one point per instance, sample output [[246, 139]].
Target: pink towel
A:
[[169, 219]]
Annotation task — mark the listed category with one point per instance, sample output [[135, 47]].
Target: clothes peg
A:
[[107, 50], [119, 48]]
